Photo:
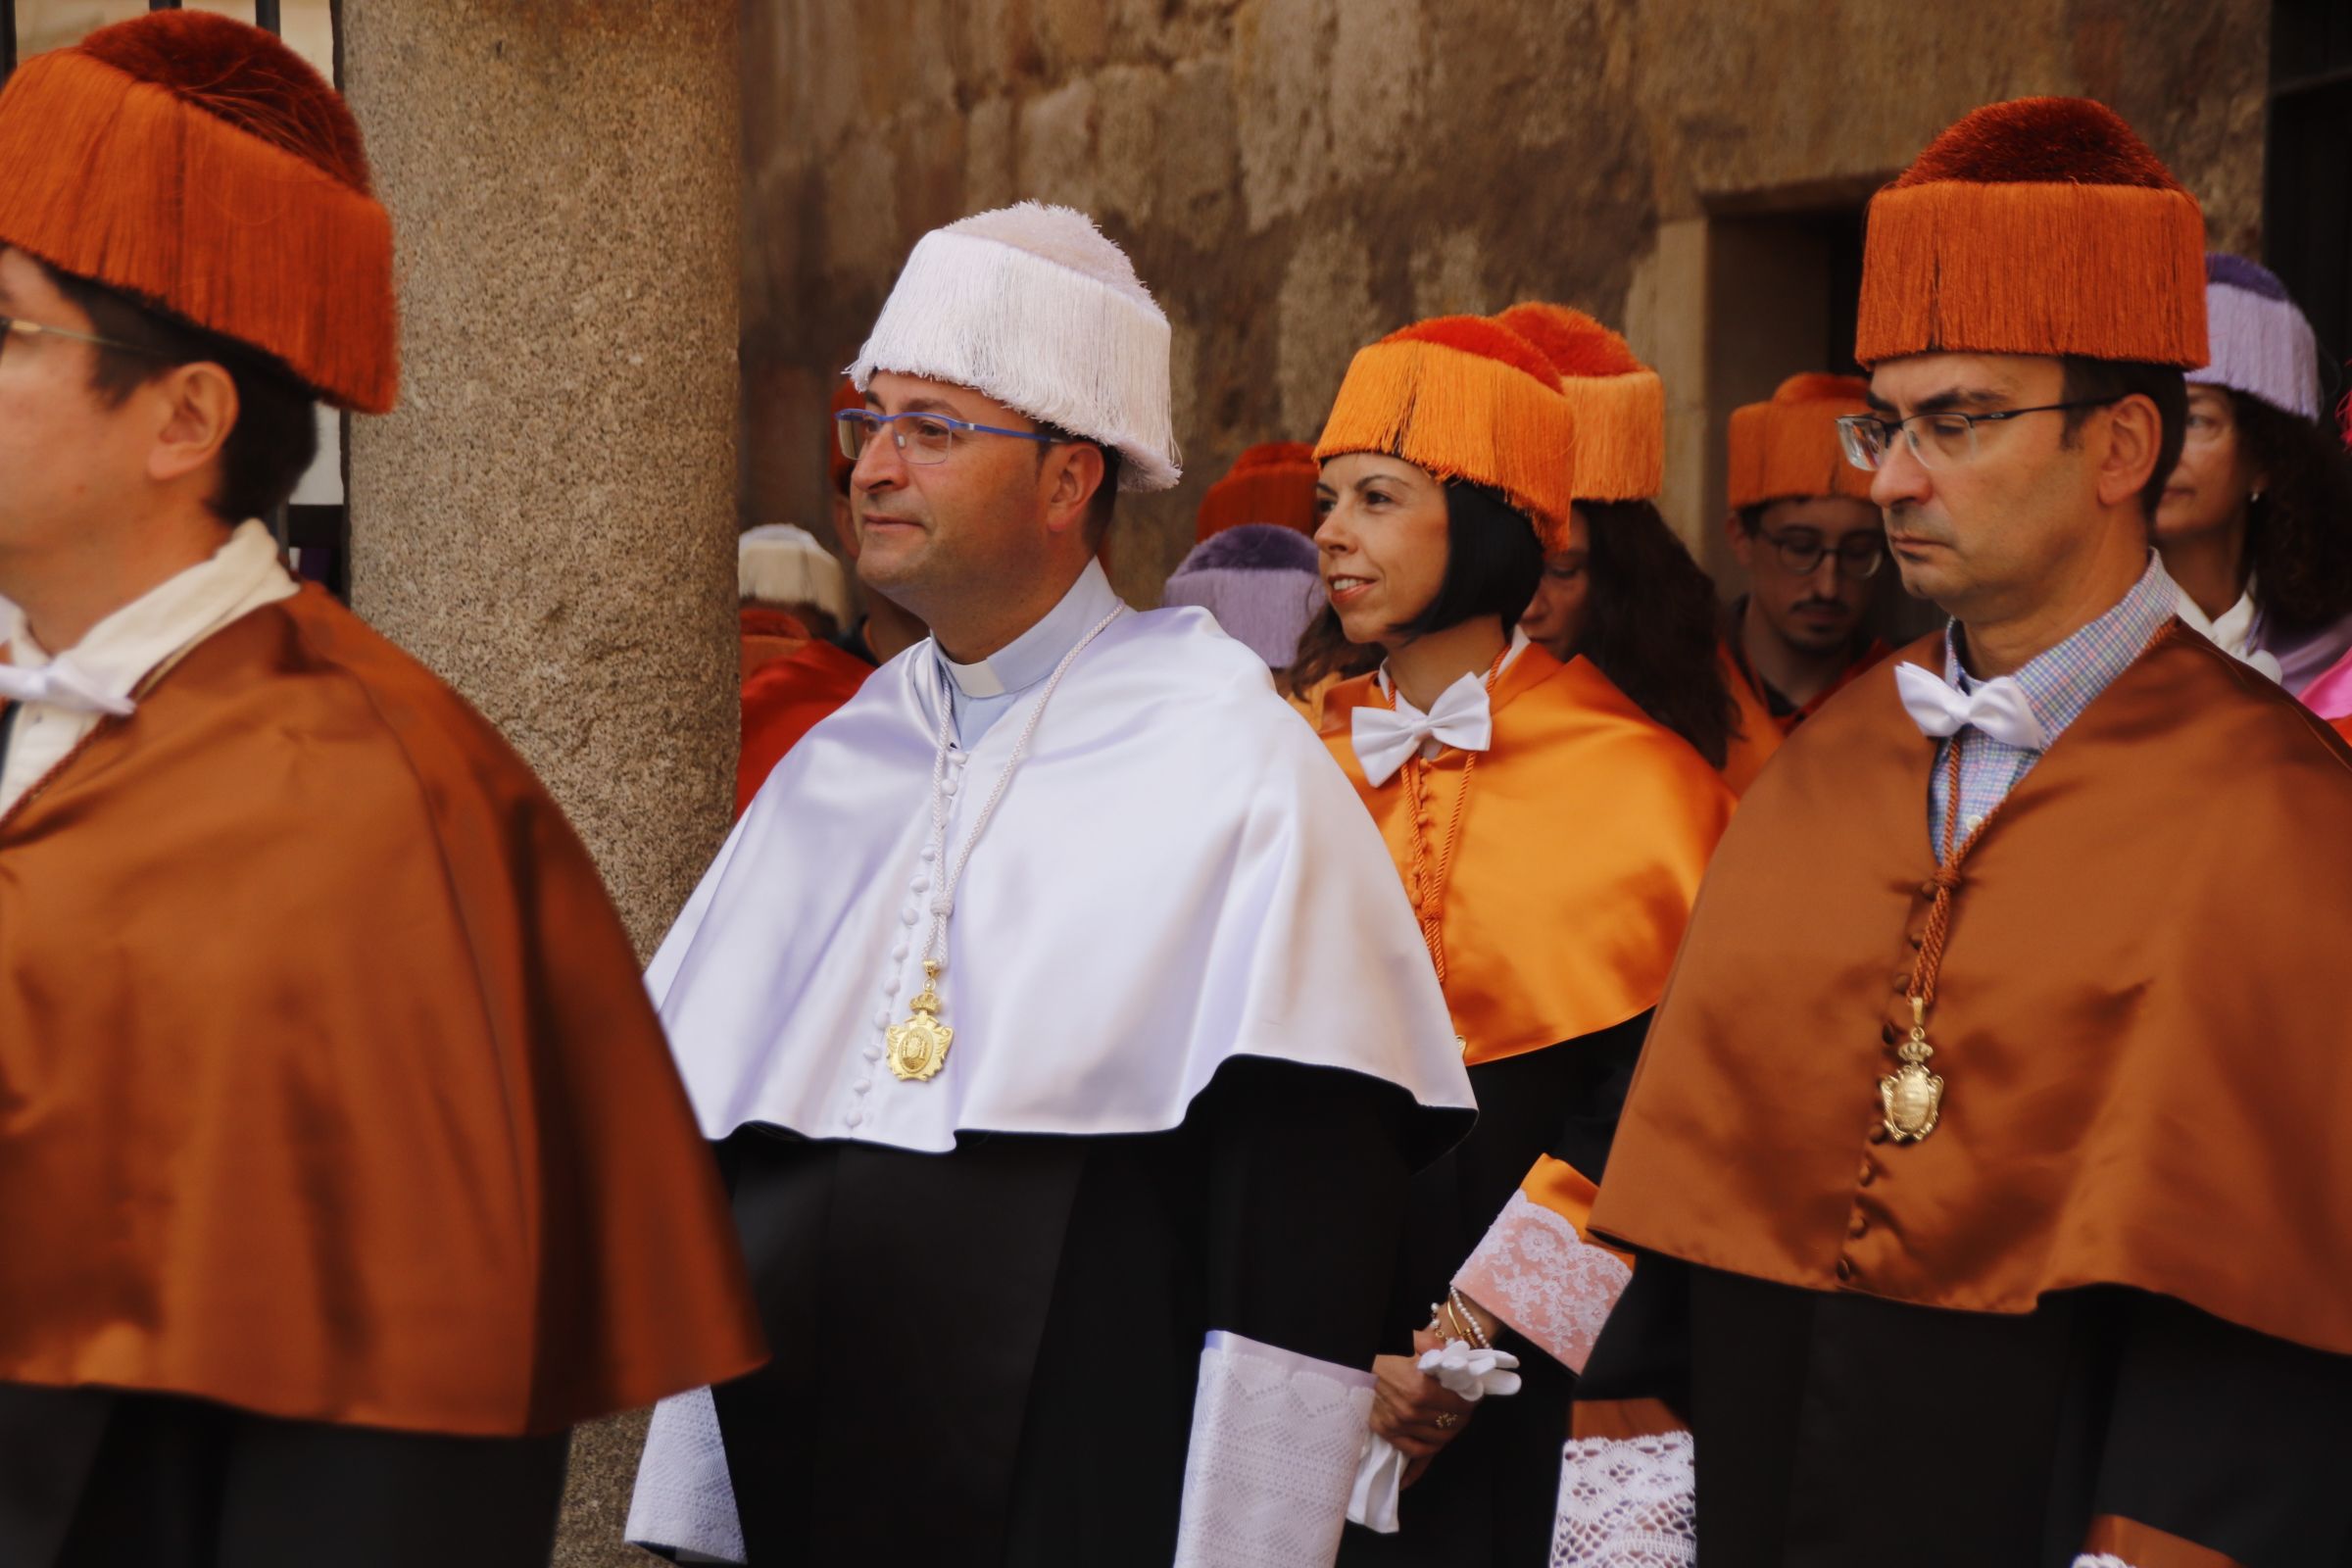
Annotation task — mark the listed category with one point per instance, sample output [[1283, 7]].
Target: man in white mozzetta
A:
[[1064, 1029]]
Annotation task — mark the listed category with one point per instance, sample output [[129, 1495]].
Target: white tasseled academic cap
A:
[[778, 564], [1032, 306]]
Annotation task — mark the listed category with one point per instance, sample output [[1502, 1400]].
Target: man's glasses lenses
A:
[[1938, 440], [921, 438], [1857, 558]]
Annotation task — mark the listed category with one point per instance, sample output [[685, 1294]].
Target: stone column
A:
[[549, 518]]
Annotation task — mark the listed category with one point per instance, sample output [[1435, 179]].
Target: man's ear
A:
[[2134, 438], [1074, 471], [196, 406]]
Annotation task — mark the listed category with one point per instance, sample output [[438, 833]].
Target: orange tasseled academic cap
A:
[[1272, 482], [1465, 398], [2039, 226], [1787, 448], [198, 164], [1619, 403]]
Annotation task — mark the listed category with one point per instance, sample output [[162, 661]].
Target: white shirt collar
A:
[[119, 651], [1031, 657], [2233, 631]]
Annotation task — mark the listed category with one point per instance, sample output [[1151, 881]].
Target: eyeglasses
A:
[[9, 328], [1801, 552], [1937, 440], [924, 439]]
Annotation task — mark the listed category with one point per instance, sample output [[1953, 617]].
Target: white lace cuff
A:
[[1536, 1273], [684, 1504], [1276, 1437], [1627, 1503], [2105, 1559]]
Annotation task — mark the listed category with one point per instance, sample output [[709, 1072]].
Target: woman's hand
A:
[[1412, 1410]]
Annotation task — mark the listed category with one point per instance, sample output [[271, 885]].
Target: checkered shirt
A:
[[2058, 685]]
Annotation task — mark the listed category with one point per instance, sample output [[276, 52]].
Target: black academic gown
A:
[[92, 1478], [990, 1356], [1844, 1431], [1487, 1500]]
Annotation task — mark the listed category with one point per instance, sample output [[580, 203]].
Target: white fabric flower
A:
[[1470, 1373]]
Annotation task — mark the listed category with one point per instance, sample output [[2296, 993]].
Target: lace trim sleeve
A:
[[1535, 1272], [1627, 1503], [684, 1504], [1275, 1440]]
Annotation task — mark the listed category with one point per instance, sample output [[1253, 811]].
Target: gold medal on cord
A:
[[1912, 1096], [918, 1048]]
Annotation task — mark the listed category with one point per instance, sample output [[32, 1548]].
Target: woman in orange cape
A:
[[1552, 836]]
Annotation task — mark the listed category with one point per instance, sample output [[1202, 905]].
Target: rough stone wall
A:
[[1296, 176]]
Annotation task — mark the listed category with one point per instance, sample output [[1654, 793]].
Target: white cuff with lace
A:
[[684, 1504], [1626, 1503], [1536, 1273], [1276, 1437]]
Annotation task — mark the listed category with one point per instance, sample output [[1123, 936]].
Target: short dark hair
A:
[[275, 436], [1493, 561], [2106, 382]]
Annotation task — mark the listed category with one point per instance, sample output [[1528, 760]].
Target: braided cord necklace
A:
[[918, 1046], [1911, 1097]]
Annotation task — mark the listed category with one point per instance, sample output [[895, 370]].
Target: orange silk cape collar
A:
[[2144, 1066], [328, 1088], [1586, 833]]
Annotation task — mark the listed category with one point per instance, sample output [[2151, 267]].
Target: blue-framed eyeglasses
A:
[[924, 439]]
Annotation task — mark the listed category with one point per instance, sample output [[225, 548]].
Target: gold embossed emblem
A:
[[1911, 1097], [918, 1048]]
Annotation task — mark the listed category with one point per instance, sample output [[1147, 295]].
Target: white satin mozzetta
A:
[[1179, 875]]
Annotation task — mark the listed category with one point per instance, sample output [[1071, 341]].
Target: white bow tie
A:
[[59, 684], [1461, 717], [1999, 707]]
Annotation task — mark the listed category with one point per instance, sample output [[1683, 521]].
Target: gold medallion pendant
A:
[[1912, 1096], [918, 1048]]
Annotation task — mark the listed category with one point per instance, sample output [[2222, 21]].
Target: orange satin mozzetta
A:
[[1586, 833], [785, 699], [329, 1089], [2135, 1021]]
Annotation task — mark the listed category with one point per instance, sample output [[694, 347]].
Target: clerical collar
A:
[[1031, 657]]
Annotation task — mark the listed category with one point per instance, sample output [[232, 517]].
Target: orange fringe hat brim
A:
[[1620, 434], [2105, 272], [1789, 452], [118, 181], [1461, 416], [1282, 495]]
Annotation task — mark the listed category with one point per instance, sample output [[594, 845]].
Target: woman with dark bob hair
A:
[[1552, 838], [2256, 522]]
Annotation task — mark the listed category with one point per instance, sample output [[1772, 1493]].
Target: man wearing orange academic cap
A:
[[1804, 529], [1984, 1167], [342, 1166]]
